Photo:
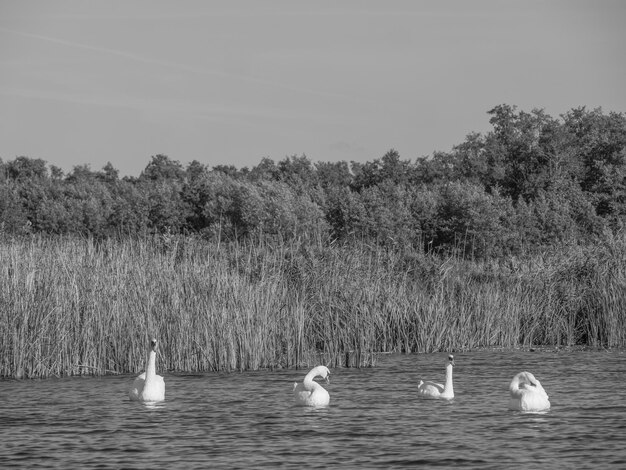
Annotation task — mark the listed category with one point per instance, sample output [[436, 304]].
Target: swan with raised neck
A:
[[148, 386], [430, 389]]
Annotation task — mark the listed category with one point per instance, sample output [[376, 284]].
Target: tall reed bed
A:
[[79, 306]]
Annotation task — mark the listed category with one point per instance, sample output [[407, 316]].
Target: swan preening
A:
[[309, 392], [434, 390], [148, 386], [527, 394]]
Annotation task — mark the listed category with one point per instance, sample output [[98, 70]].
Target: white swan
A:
[[434, 390], [148, 386], [527, 394], [309, 392]]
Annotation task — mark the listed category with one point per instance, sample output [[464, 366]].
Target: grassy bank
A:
[[77, 306]]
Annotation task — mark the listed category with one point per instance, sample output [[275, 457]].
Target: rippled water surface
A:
[[243, 420]]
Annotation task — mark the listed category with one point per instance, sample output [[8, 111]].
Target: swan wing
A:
[[319, 396], [300, 394], [430, 389], [154, 390], [159, 388], [137, 387], [528, 396], [540, 389], [532, 402]]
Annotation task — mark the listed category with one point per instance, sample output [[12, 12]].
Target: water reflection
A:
[[152, 405], [313, 410]]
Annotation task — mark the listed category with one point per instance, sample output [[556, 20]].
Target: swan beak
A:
[[327, 379]]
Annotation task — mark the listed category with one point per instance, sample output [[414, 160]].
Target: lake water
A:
[[375, 420]]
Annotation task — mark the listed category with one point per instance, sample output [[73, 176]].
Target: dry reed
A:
[[81, 306]]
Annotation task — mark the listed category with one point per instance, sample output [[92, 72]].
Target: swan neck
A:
[[151, 366], [448, 387], [309, 383], [522, 377]]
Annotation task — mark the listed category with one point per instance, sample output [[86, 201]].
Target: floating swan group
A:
[[526, 392]]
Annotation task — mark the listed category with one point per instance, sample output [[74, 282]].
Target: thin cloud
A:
[[176, 66], [195, 110]]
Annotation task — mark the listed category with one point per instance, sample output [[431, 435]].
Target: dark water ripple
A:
[[374, 421]]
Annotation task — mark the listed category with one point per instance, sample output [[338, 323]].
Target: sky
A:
[[229, 82]]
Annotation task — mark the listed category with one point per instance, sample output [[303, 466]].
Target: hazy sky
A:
[[231, 82]]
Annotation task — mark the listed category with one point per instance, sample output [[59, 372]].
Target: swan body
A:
[[430, 389], [527, 394], [148, 386], [309, 392]]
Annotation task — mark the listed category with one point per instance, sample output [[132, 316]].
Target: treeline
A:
[[532, 181]]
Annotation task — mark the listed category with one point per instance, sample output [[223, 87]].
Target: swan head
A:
[[153, 344], [324, 373], [532, 383], [526, 378], [451, 360], [526, 381]]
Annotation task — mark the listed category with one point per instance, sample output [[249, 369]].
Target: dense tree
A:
[[266, 170], [24, 168], [109, 174], [13, 216], [129, 209], [470, 162], [297, 172], [162, 168], [531, 182], [344, 212], [599, 143], [333, 174]]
